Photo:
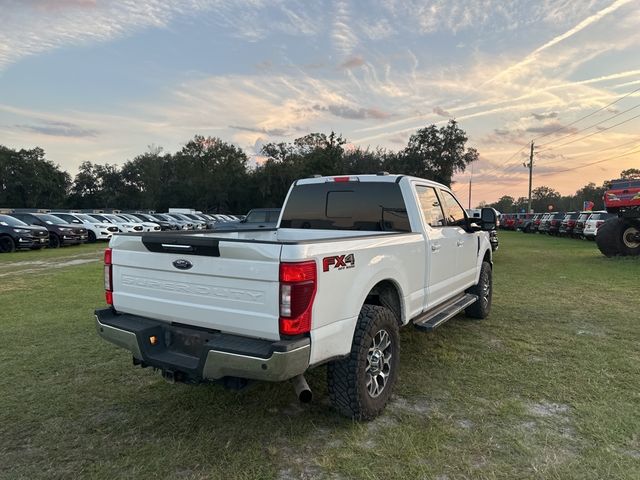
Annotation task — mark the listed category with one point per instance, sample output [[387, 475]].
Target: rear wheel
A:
[[484, 291], [630, 238], [7, 245], [609, 237], [54, 241], [361, 384]]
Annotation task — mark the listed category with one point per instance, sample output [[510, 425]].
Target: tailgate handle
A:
[[207, 247]]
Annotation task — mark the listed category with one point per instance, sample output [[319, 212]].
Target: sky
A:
[[102, 80]]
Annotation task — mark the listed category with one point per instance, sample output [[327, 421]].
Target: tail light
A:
[[108, 277], [298, 283]]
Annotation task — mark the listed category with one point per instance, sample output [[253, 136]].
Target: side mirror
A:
[[488, 218]]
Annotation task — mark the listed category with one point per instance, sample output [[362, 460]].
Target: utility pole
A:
[[530, 167], [470, 180]]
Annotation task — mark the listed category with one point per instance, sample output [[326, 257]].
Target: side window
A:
[[273, 216], [430, 205], [453, 212], [257, 217]]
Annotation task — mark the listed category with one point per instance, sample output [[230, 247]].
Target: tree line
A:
[[212, 175]]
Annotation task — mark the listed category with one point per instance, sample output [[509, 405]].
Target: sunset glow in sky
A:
[[101, 80]]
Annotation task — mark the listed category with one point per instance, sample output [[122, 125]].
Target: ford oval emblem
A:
[[182, 264]]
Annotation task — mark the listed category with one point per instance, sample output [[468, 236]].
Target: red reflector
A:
[[341, 179], [107, 256], [109, 297], [297, 272]]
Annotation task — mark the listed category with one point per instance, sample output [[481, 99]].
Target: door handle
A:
[[460, 243], [435, 247]]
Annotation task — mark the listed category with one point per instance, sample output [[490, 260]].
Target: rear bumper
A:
[[195, 355]]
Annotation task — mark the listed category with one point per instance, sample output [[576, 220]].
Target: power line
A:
[[588, 115], [605, 149], [590, 126], [506, 165], [591, 163], [590, 135]]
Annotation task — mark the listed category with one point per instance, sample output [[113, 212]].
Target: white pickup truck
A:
[[352, 260]]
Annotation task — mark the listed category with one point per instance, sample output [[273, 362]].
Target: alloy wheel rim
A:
[[629, 233], [378, 366]]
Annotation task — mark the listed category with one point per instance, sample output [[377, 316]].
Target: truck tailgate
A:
[[231, 286]]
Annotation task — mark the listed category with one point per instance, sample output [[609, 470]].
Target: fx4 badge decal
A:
[[338, 262]]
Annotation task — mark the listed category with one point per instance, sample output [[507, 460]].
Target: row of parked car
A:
[[36, 230], [583, 224]]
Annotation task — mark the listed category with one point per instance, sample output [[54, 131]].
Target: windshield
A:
[[67, 217], [113, 218], [87, 218], [51, 219], [130, 218], [7, 221]]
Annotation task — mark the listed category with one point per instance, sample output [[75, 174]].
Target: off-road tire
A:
[[54, 241], [609, 237], [627, 245], [7, 245], [91, 237], [484, 290], [347, 378]]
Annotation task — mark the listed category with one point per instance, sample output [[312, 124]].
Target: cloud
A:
[[352, 62], [351, 113], [544, 116], [441, 112], [519, 67], [550, 128], [344, 39], [58, 129], [276, 132]]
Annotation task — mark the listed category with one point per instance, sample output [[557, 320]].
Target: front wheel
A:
[[7, 245], [484, 291], [361, 384], [54, 241], [91, 236]]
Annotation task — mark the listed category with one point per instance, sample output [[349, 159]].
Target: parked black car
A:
[[493, 239], [545, 220], [580, 224], [555, 221], [568, 223], [531, 224], [15, 234], [255, 219], [60, 232]]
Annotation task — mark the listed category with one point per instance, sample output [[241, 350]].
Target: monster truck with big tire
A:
[[620, 235]]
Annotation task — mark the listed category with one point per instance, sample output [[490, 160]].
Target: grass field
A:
[[547, 387]]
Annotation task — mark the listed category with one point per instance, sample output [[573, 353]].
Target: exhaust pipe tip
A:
[[303, 392]]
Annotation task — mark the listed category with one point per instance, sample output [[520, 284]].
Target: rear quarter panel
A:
[[342, 290]]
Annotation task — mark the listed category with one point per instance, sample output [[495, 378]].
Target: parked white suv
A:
[[96, 230], [594, 222], [148, 226], [122, 224]]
